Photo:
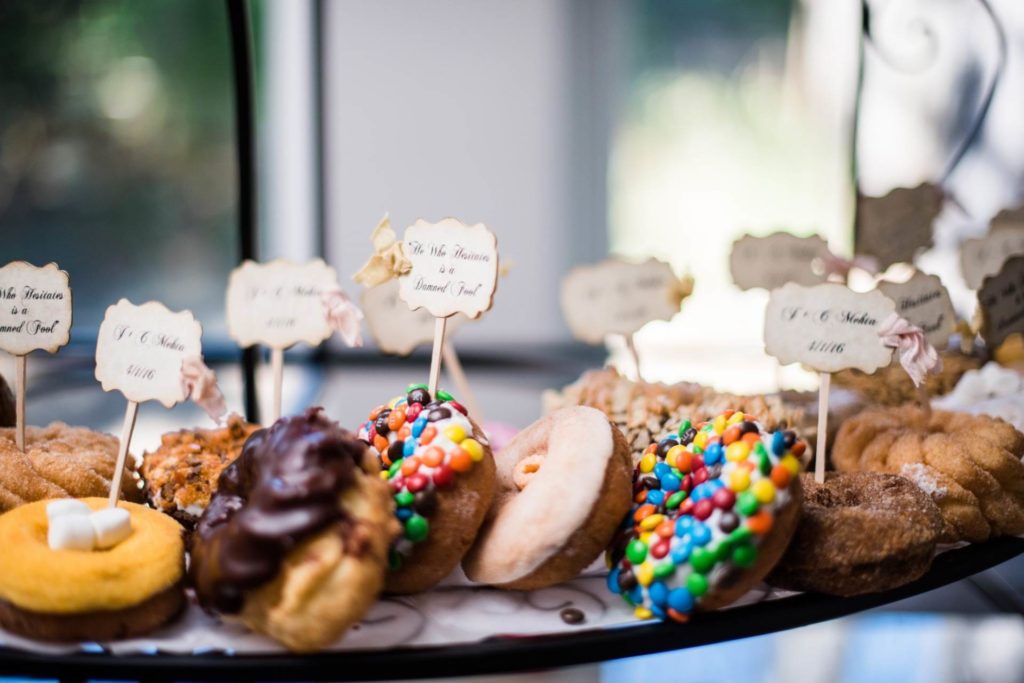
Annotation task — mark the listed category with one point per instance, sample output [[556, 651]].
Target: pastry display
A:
[[59, 462], [567, 479], [86, 572], [440, 468], [295, 539], [645, 410], [969, 464], [7, 406], [859, 532], [716, 504], [992, 390], [891, 386], [181, 475]]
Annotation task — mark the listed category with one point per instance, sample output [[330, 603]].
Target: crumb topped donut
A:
[[97, 595], [294, 541], [859, 532], [564, 484], [439, 466], [716, 506]]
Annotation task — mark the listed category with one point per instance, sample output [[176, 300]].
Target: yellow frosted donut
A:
[[36, 579]]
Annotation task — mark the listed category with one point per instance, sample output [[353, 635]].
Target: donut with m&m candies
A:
[[441, 471], [715, 505]]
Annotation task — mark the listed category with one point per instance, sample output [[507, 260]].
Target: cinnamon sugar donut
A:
[[859, 532], [59, 462], [969, 464], [564, 485]]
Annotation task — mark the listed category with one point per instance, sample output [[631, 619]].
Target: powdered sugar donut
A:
[[563, 487], [717, 504], [439, 465]]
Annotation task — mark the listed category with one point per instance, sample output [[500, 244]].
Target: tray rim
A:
[[512, 654]]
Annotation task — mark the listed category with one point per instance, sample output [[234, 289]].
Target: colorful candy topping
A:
[[423, 444], [704, 498]]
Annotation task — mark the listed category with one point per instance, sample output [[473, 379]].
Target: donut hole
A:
[[526, 469]]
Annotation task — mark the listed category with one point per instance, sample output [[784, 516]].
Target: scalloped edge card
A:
[[139, 350], [618, 297], [1001, 299], [278, 303], [981, 257], [396, 328], [454, 268], [35, 308], [924, 301], [774, 260], [827, 327], [895, 227]]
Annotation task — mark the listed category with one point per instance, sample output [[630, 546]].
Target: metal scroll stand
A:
[[990, 586], [245, 132]]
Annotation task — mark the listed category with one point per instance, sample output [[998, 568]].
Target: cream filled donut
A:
[[439, 465], [563, 487], [716, 505]]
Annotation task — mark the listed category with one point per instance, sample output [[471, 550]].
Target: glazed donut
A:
[[969, 464], [564, 484], [294, 542], [439, 465], [67, 595], [716, 505], [859, 532]]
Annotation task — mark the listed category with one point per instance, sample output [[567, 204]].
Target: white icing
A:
[[924, 477], [531, 525], [991, 390]]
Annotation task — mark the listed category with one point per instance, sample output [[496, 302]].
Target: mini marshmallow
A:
[[112, 525], [66, 506], [71, 532]]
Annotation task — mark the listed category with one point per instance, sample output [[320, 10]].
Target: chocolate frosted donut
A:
[[295, 540], [7, 407], [860, 532]]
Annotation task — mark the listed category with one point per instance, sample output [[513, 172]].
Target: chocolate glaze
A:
[[281, 490]]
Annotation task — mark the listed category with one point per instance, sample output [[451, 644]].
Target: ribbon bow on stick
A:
[[839, 267], [343, 316], [917, 356], [388, 260], [199, 383]]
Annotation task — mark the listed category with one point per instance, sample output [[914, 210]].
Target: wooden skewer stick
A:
[[435, 355], [277, 367], [454, 365], [122, 454], [819, 449], [634, 356], [19, 406], [925, 399]]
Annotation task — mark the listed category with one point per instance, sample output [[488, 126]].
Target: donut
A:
[[60, 461], [440, 468], [716, 504], [969, 464], [180, 476], [564, 484], [859, 532], [294, 542], [892, 386], [8, 414], [67, 595]]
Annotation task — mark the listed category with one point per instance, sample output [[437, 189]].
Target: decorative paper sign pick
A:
[[924, 301], [619, 297], [1008, 219], [35, 314], [894, 227], [396, 329], [829, 328], [1001, 300], [454, 270], [139, 352], [984, 256], [279, 304], [772, 261]]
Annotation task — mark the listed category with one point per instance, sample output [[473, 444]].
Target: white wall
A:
[[469, 108]]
